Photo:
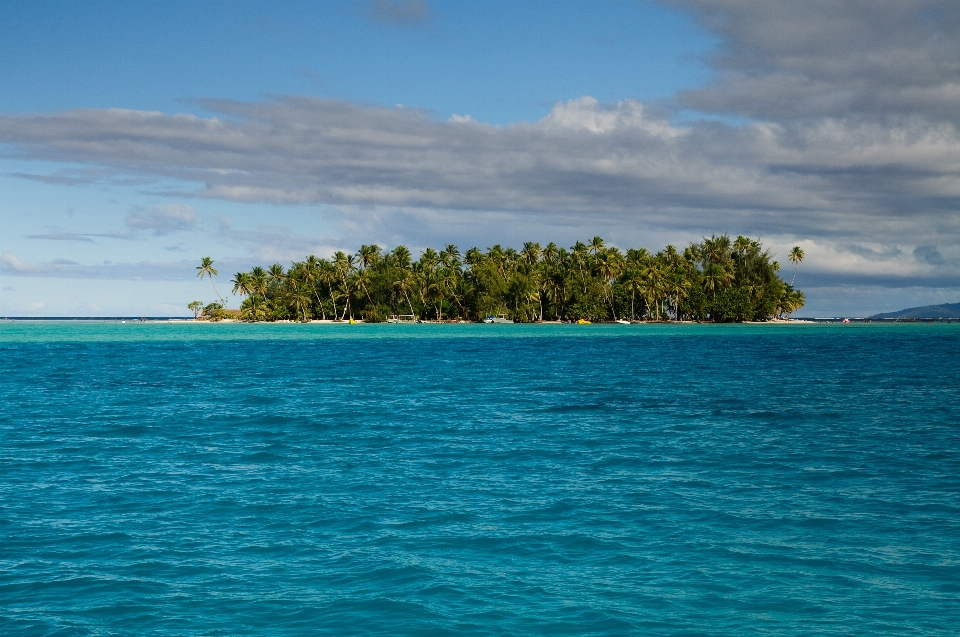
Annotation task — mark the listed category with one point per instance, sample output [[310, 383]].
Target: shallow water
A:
[[183, 479]]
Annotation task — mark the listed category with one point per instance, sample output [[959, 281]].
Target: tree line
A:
[[718, 279]]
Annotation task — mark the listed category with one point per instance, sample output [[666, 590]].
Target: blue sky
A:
[[499, 61], [136, 138]]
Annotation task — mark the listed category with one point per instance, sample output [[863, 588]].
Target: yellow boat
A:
[[583, 322]]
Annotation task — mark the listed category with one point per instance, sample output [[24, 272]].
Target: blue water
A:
[[160, 479]]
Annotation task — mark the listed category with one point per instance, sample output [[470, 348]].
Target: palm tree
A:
[[531, 252], [713, 277], [276, 275], [310, 275], [206, 269], [550, 253], [241, 284], [676, 286], [473, 257], [654, 286], [434, 289], [368, 255], [429, 258], [635, 283], [404, 284], [361, 278], [195, 307], [596, 245], [300, 296], [741, 245], [521, 289], [795, 256], [258, 281], [497, 256], [343, 265], [401, 257], [716, 250], [254, 308], [579, 254], [611, 264]]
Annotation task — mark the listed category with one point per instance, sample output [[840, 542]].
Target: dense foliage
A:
[[718, 279]]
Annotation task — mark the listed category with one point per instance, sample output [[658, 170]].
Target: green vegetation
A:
[[796, 257], [206, 269], [718, 279]]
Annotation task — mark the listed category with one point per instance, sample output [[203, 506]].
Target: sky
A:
[[137, 138]]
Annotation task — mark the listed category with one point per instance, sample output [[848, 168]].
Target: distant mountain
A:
[[947, 310]]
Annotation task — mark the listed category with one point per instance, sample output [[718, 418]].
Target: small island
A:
[[718, 280]]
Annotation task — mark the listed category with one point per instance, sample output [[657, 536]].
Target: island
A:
[[718, 280]]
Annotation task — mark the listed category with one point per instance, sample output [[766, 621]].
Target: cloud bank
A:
[[828, 59], [821, 178]]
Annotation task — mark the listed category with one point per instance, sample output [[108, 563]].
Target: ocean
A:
[[194, 479]]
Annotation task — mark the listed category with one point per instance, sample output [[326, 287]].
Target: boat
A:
[[497, 318], [583, 322], [622, 322], [402, 318]]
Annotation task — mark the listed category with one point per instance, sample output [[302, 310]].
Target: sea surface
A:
[[195, 479]]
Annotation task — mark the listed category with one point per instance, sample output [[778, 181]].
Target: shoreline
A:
[[231, 321]]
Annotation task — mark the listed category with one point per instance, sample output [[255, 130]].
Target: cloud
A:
[[821, 58], [56, 180], [61, 235], [621, 161], [183, 270], [878, 264], [400, 12], [83, 176], [282, 243], [161, 220], [929, 255], [12, 262]]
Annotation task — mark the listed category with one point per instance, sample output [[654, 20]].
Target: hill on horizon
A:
[[946, 310]]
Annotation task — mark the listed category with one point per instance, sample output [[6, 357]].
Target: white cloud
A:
[[184, 270], [823, 59], [813, 179], [161, 220], [13, 262]]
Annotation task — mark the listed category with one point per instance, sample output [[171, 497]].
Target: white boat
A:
[[497, 318], [622, 322], [402, 318]]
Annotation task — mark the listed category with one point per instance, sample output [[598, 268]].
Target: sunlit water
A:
[[183, 479]]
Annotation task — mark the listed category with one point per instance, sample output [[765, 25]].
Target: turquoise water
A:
[[183, 479]]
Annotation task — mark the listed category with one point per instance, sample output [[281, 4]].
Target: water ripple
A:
[[286, 480]]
